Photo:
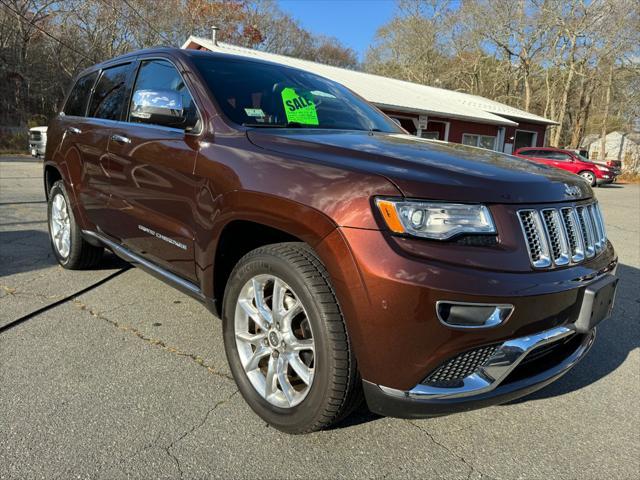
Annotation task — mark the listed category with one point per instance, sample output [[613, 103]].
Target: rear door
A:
[[94, 106], [152, 182], [562, 160]]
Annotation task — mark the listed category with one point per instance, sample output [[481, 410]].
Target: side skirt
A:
[[160, 273]]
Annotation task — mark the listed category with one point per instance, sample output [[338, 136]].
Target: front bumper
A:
[[606, 181], [503, 377], [37, 149], [389, 300]]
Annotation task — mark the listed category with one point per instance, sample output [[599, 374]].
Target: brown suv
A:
[[343, 255]]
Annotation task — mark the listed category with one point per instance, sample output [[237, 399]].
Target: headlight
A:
[[439, 221], [602, 169]]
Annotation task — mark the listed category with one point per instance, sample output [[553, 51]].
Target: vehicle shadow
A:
[[30, 250]]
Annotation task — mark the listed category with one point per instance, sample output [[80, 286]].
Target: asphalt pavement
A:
[[112, 374]]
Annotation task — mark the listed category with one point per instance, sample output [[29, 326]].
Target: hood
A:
[[429, 169]]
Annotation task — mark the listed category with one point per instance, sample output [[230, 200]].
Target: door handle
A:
[[120, 139], [74, 130]]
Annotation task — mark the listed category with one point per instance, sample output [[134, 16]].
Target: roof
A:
[[390, 93]]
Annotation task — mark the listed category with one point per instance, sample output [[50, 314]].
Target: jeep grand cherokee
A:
[[343, 255]]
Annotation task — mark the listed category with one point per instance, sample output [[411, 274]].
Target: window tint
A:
[[159, 75], [539, 153], [109, 95], [528, 153], [79, 97], [264, 95], [559, 156]]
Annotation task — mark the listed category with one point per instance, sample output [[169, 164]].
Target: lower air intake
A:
[[451, 373]]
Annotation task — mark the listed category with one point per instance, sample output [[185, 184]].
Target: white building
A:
[[624, 147]]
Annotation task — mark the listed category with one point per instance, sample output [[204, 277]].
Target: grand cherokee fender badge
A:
[[162, 237], [572, 190]]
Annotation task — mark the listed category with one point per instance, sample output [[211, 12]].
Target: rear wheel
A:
[[286, 341], [71, 250], [589, 177]]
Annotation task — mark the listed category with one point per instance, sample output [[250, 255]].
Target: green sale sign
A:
[[299, 108]]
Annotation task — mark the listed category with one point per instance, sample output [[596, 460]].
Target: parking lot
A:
[[112, 374]]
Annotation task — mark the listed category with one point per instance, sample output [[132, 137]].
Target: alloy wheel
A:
[[588, 176], [274, 340], [60, 225]]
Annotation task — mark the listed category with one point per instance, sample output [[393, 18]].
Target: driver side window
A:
[[157, 79]]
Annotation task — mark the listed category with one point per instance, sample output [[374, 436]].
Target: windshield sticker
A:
[[299, 108], [254, 112]]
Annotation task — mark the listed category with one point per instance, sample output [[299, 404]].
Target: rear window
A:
[[109, 96], [79, 97], [263, 95]]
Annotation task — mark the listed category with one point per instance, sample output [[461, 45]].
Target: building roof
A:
[[633, 137], [390, 93]]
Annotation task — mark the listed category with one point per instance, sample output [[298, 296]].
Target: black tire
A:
[[589, 177], [336, 388], [82, 255]]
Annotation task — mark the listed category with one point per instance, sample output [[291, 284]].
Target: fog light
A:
[[472, 315]]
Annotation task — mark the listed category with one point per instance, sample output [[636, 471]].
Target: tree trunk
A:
[[605, 116], [527, 91], [582, 114], [565, 95]]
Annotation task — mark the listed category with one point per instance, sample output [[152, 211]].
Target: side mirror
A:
[[159, 107]]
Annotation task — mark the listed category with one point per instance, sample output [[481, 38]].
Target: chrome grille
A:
[[563, 236], [587, 231], [536, 239], [574, 234], [557, 237]]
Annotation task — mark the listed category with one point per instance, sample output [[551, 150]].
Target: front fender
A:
[[298, 220]]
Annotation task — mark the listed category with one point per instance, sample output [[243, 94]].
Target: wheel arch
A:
[[51, 175], [238, 238], [251, 220]]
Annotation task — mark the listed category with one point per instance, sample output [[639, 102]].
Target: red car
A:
[[593, 173]]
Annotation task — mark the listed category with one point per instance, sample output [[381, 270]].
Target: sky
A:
[[353, 22]]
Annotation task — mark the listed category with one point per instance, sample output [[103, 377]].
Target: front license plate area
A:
[[597, 303]]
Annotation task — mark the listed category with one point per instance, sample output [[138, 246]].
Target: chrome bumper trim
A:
[[505, 359]]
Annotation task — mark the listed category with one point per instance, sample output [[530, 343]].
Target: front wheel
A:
[[286, 341], [589, 177]]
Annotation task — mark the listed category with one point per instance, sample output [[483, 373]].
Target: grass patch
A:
[[628, 177]]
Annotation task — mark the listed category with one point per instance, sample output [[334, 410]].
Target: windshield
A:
[[263, 95]]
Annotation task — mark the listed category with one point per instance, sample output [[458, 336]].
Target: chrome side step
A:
[[174, 280]]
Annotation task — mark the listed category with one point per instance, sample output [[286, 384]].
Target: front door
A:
[[524, 139], [152, 182]]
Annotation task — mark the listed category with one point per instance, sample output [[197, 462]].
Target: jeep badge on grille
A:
[[572, 190]]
